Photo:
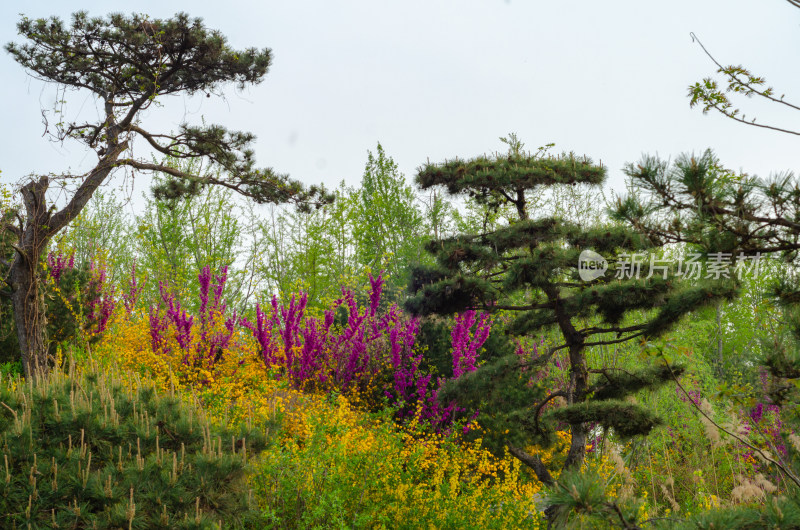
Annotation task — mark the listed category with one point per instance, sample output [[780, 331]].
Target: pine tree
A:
[[126, 64], [696, 201], [529, 269]]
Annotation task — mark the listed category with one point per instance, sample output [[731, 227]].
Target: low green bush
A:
[[85, 449]]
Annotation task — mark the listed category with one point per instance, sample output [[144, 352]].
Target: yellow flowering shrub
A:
[[340, 467], [334, 461]]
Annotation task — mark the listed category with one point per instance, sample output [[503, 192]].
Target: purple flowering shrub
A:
[[82, 300], [200, 341], [370, 356]]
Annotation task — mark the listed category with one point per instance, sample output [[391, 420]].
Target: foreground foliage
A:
[[88, 449]]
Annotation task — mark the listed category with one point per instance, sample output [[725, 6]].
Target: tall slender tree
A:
[[389, 228], [531, 269], [128, 63]]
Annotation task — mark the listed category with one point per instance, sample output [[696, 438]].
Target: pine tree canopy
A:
[[696, 201], [135, 56], [493, 180], [130, 62]]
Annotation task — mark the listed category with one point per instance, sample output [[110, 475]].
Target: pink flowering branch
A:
[[465, 348]]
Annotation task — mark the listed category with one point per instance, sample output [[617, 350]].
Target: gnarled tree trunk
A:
[[41, 223], [27, 296], [29, 316]]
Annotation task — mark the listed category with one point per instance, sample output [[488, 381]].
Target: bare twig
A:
[[764, 455], [739, 80], [14, 412], [734, 78]]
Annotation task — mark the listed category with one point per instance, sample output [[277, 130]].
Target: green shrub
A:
[[86, 450]]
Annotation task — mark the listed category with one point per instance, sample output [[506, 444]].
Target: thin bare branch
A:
[[754, 124], [747, 84], [786, 471]]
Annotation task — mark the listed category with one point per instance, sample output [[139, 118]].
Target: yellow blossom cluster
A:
[[390, 477]]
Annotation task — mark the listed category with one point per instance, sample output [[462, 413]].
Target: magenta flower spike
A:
[[131, 296], [58, 263], [376, 285], [465, 348]]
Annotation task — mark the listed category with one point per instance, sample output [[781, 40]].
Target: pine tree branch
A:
[[596, 330], [146, 166], [530, 307], [617, 341], [533, 462], [506, 195], [605, 370], [151, 139], [174, 172], [668, 200], [98, 175], [541, 405]]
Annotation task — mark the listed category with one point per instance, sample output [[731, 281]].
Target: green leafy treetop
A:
[[529, 270], [388, 232], [128, 63]]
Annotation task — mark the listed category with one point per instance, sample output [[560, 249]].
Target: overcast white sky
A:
[[433, 80]]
